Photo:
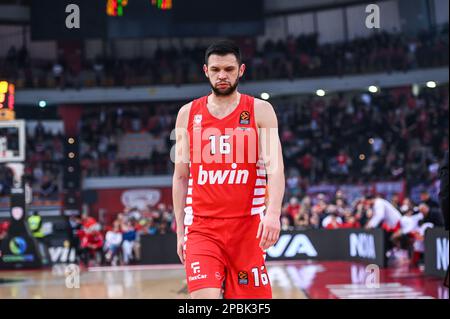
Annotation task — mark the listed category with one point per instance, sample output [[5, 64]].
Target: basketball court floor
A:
[[290, 280]]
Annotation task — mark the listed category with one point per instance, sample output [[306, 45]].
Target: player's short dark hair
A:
[[224, 47], [369, 196]]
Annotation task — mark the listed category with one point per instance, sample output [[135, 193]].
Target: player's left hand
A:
[[268, 230]]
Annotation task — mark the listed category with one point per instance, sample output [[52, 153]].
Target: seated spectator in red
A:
[[92, 244], [3, 230], [91, 239], [87, 221], [350, 221], [293, 208], [332, 221]]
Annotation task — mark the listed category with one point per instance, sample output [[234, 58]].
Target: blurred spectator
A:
[[314, 221], [73, 235], [58, 71], [6, 180], [91, 241], [152, 228], [350, 221], [113, 241], [293, 209], [49, 189], [433, 217], [332, 221], [128, 243], [426, 199], [3, 230], [286, 224]]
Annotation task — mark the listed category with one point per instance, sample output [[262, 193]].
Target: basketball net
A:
[[18, 170]]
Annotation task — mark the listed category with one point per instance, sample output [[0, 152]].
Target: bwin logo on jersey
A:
[[227, 176], [289, 246]]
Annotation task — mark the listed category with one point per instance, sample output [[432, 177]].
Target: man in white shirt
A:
[[382, 212]]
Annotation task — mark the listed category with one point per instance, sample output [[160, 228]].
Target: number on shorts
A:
[[257, 276]]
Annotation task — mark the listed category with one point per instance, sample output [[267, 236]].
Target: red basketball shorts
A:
[[225, 253]]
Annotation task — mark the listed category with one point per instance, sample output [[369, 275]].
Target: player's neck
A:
[[224, 101]]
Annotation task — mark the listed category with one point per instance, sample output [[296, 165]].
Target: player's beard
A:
[[225, 92]]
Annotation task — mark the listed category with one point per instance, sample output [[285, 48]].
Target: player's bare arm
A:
[[181, 174], [269, 229]]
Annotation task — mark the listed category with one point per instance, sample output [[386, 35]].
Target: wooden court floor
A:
[[133, 282]]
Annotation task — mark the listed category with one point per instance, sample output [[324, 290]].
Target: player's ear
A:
[[205, 69], [242, 70]]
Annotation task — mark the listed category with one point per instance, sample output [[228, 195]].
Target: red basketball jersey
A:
[[227, 176]]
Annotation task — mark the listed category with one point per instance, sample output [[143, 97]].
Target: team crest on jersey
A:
[[197, 122], [244, 118], [197, 119], [243, 278]]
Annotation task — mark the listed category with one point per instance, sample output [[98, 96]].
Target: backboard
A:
[[12, 141]]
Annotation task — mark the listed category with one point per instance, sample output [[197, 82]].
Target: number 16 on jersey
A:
[[224, 145]]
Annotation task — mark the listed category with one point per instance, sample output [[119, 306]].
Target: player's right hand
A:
[[180, 247]]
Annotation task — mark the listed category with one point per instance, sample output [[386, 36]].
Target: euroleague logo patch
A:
[[244, 118], [243, 278]]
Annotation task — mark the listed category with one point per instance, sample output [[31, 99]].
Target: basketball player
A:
[[227, 152], [383, 213]]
